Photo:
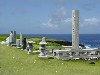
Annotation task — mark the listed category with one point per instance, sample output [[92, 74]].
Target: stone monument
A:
[[43, 47], [21, 38], [75, 29], [24, 44], [14, 37], [18, 43], [30, 47], [11, 38], [7, 41]]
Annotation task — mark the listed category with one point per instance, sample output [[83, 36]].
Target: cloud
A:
[[57, 18], [50, 24], [91, 22], [68, 20], [59, 14]]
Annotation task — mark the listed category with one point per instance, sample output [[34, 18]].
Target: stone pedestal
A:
[[30, 47], [18, 43], [42, 50]]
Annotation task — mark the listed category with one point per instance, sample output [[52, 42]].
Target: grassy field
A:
[[37, 40], [17, 62]]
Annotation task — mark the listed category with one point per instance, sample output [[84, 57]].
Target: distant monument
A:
[[75, 29]]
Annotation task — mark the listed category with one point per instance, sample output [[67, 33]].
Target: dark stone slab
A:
[[24, 43]]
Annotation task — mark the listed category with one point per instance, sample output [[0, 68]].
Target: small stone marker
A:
[[21, 38], [14, 37], [24, 43], [18, 43], [30, 47]]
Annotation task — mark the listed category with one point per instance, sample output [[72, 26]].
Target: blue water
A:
[[92, 40]]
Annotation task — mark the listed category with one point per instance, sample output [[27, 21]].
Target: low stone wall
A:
[[80, 54]]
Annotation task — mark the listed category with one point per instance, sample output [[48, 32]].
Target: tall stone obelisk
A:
[[75, 29]]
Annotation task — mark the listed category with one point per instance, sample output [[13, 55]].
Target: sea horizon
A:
[[91, 40]]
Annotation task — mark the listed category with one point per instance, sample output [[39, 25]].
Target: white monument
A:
[[11, 37], [75, 29], [75, 52], [7, 41]]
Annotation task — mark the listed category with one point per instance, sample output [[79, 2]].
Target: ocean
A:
[[90, 40]]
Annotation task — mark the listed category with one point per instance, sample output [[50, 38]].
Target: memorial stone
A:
[[11, 38], [24, 43], [18, 43], [14, 37], [43, 47], [21, 38], [30, 47]]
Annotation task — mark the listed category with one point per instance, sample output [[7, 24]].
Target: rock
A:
[[91, 62]]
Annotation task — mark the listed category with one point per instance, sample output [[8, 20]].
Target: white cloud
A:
[[91, 22], [57, 18], [49, 24], [68, 20], [55, 24], [85, 22]]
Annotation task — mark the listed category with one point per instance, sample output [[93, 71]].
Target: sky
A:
[[48, 16]]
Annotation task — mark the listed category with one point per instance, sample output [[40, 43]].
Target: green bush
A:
[[52, 44]]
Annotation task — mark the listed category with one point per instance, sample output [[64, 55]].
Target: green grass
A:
[[17, 62], [3, 37]]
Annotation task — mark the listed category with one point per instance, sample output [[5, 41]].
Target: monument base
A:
[[41, 56]]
